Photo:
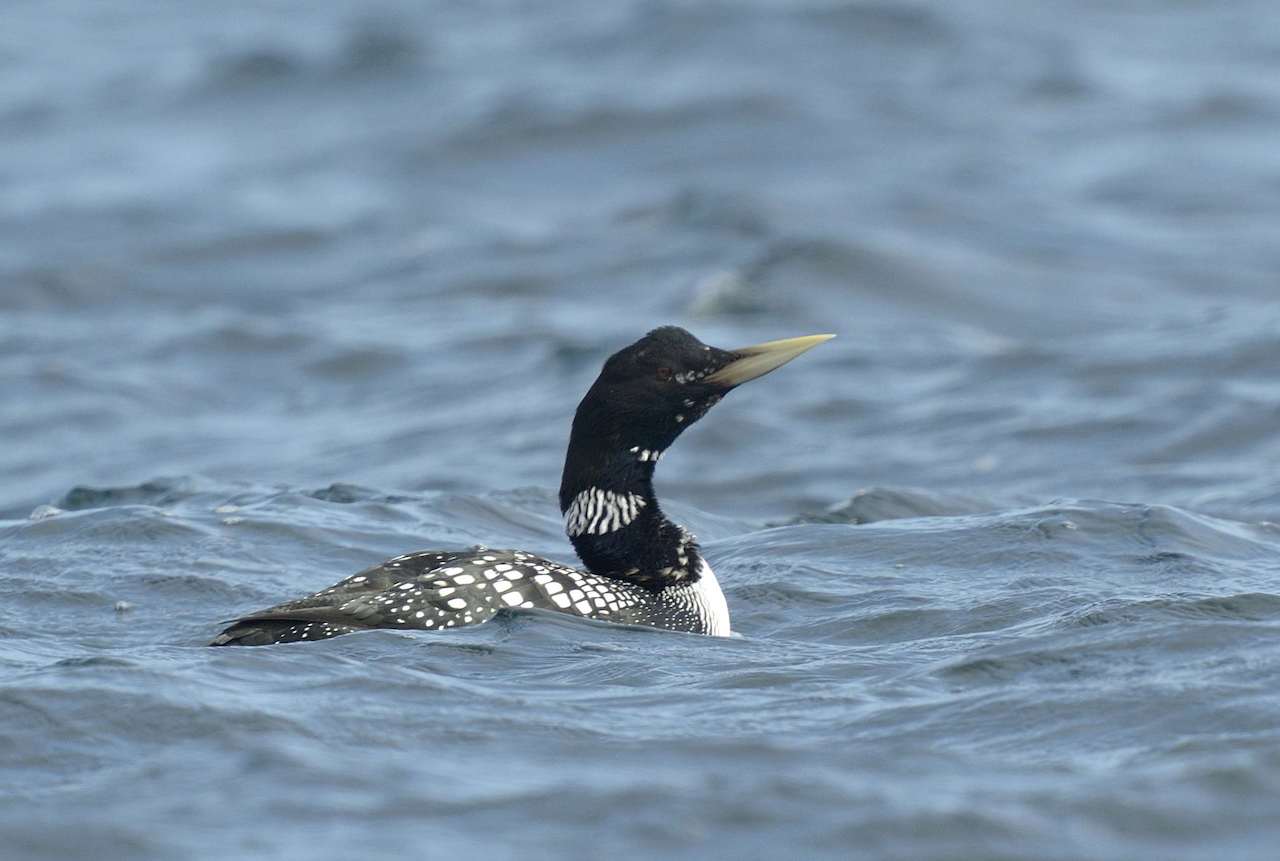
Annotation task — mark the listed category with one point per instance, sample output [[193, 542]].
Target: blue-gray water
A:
[[290, 287]]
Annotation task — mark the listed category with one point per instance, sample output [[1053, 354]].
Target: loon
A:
[[641, 568]]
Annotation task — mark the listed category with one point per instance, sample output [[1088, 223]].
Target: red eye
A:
[[664, 374]]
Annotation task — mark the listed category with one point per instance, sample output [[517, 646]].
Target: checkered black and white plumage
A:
[[436, 591]]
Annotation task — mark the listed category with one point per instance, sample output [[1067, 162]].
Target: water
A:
[[287, 288]]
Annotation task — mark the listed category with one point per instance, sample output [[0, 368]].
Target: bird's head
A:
[[648, 393], [645, 397]]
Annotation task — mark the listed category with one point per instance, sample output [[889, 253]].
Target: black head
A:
[[649, 392], [652, 390], [645, 397]]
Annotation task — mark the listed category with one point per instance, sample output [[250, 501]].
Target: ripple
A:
[[521, 121], [1255, 607], [157, 492], [891, 503], [367, 46]]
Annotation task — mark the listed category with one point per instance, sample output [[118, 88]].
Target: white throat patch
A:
[[597, 512]]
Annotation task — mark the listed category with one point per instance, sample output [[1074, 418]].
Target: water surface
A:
[[287, 288]]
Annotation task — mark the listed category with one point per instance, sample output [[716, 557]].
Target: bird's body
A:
[[438, 590], [641, 568]]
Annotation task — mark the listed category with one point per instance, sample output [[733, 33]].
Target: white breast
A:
[[711, 604]]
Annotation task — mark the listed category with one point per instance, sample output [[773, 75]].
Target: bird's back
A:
[[434, 590]]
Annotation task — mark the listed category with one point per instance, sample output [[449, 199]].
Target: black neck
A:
[[612, 515]]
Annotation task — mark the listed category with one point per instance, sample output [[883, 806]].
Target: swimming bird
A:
[[641, 568]]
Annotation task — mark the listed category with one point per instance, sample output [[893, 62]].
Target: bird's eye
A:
[[664, 374]]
